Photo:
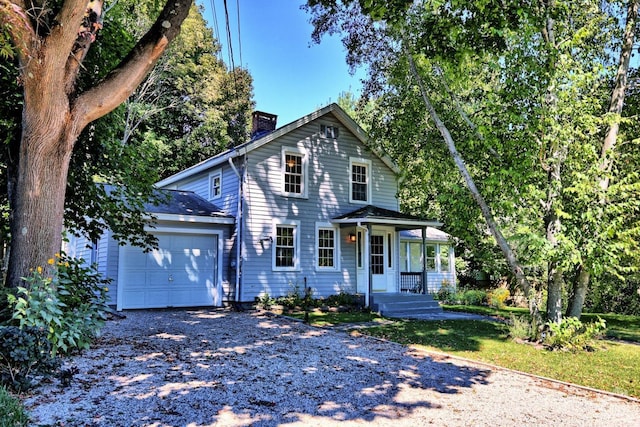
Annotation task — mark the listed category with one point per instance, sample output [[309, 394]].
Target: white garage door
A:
[[182, 272]]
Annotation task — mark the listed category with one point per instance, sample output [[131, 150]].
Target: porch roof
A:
[[375, 215]]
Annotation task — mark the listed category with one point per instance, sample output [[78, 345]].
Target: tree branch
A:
[[15, 21], [120, 83]]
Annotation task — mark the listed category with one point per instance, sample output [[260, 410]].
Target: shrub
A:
[[573, 335], [24, 353], [446, 293], [473, 297], [265, 301], [12, 413], [341, 299], [71, 305], [497, 297], [520, 328]]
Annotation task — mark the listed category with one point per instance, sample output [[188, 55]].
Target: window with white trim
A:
[[330, 132], [444, 259], [215, 185], [431, 257], [294, 176], [286, 245], [326, 247], [359, 190]]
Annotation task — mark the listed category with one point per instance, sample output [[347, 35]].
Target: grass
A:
[[322, 319], [619, 326], [615, 367]]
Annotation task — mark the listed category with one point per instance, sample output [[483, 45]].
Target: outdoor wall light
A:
[[352, 237]]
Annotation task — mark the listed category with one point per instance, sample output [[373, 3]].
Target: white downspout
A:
[[238, 229]]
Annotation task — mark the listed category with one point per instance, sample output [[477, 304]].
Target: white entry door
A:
[[181, 272], [381, 261]]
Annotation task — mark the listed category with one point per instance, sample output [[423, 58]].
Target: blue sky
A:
[[292, 76]]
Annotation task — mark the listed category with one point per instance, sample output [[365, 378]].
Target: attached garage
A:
[[185, 270], [181, 272]]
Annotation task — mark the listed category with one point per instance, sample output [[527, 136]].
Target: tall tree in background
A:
[[51, 42], [182, 113], [522, 90]]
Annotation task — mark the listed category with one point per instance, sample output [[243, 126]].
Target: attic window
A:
[[327, 131]]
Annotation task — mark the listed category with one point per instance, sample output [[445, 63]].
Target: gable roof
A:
[[183, 204], [251, 145], [375, 215]]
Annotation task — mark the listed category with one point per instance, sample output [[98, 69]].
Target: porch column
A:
[[368, 259], [424, 260]]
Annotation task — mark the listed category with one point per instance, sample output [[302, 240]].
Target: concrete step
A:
[[404, 304]]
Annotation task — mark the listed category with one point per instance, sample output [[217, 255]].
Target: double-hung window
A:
[[294, 172], [215, 185], [286, 245], [360, 188], [326, 247]]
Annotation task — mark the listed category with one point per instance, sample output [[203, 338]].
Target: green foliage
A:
[[344, 299], [70, 306], [612, 295], [266, 301], [472, 297], [12, 413], [523, 90], [497, 297], [446, 294], [520, 328], [573, 335], [24, 353]]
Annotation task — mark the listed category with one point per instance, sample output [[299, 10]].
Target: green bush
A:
[[573, 335], [12, 413], [446, 294], [265, 301], [71, 305], [473, 297], [24, 353], [520, 328], [497, 297], [344, 299]]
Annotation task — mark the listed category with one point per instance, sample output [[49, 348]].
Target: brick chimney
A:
[[262, 123]]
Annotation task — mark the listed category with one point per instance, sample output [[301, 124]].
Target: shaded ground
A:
[[216, 367]]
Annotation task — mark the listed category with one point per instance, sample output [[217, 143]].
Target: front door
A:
[[381, 261]]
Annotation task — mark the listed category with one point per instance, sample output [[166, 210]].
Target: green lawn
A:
[[615, 367], [618, 326]]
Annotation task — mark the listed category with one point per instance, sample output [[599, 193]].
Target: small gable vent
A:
[[263, 123]]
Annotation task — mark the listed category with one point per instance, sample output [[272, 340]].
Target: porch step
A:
[[404, 304]]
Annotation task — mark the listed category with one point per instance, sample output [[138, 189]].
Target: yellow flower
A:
[[57, 255], [106, 289], [50, 261], [39, 270]]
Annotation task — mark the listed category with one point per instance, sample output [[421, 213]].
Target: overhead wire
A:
[[215, 27]]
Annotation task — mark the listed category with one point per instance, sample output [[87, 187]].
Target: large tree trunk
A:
[[54, 114]]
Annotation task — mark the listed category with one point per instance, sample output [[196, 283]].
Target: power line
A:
[[215, 26], [239, 39], [229, 44]]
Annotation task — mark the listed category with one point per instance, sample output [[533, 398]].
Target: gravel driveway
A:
[[221, 368]]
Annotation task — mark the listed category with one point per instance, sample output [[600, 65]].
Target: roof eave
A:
[[223, 220], [389, 221]]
